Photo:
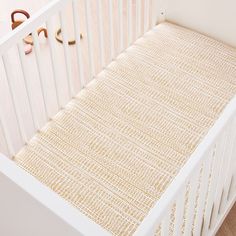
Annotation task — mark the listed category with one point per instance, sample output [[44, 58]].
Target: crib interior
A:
[[43, 82], [61, 70]]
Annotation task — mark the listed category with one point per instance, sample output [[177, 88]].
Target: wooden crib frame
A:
[[28, 208]]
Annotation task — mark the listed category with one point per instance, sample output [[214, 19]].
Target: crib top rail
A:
[[30, 24]]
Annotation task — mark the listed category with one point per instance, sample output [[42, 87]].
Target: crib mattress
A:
[[116, 147]]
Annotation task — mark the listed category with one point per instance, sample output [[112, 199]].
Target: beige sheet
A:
[[117, 146]]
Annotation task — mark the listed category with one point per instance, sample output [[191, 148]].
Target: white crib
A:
[[27, 207]]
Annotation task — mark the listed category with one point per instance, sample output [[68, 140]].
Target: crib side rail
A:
[[12, 38], [34, 87], [200, 196], [37, 210]]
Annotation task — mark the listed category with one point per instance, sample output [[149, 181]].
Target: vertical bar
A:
[[90, 42], [231, 185], [21, 52], [6, 136], [146, 15], [153, 13], [121, 25], [230, 164], [191, 203], [202, 195], [14, 100], [219, 188], [40, 70], [101, 31], [76, 18], [53, 60], [161, 11], [165, 225], [179, 213], [233, 181], [212, 188], [66, 53], [138, 18], [111, 28], [129, 19]]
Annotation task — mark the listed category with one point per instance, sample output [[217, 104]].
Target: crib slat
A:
[[129, 21], [146, 15], [151, 7], [21, 52], [66, 53], [153, 13], [220, 182], [191, 203], [111, 29], [40, 70], [20, 122], [53, 60], [229, 166], [6, 135], [165, 225], [233, 179], [212, 188], [179, 213], [121, 25], [101, 32], [76, 20], [138, 18], [90, 41], [202, 194]]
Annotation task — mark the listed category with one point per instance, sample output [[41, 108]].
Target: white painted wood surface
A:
[[215, 18], [29, 208], [26, 196]]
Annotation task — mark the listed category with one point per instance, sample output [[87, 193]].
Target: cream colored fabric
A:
[[116, 147]]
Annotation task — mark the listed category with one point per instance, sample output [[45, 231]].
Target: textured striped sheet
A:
[[117, 146]]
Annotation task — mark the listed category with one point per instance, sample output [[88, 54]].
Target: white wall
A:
[[216, 18]]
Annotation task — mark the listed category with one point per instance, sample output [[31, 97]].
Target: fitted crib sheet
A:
[[116, 147]]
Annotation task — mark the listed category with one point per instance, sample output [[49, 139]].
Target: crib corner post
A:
[[161, 11]]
